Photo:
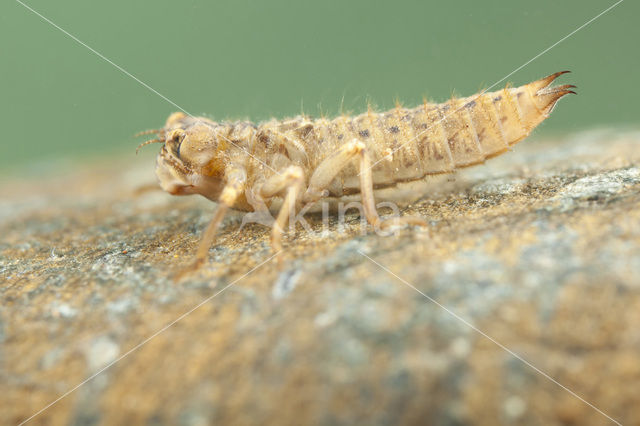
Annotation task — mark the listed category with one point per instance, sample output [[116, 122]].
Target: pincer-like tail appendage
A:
[[546, 96]]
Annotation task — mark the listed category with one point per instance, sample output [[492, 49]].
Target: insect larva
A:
[[299, 160]]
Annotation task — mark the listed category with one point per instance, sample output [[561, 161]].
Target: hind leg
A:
[[329, 169], [368, 200]]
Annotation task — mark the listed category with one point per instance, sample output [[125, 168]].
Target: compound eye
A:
[[176, 138], [179, 141]]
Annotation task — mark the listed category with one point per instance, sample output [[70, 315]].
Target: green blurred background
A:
[[232, 59]]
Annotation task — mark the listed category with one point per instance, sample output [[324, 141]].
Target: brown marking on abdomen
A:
[[432, 140], [488, 128], [462, 143], [509, 116]]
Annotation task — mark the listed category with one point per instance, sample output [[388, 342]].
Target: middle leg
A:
[[290, 184]]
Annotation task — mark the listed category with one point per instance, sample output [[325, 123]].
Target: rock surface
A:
[[536, 253]]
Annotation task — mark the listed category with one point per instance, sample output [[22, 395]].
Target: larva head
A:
[[191, 160]]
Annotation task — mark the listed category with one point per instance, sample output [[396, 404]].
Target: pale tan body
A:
[[300, 161]]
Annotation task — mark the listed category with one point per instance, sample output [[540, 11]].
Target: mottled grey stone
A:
[[538, 251]]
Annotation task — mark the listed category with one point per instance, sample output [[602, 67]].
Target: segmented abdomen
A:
[[408, 144]]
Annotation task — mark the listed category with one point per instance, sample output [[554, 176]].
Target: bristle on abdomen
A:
[[409, 143]]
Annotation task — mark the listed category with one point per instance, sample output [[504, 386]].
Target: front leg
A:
[[236, 180]]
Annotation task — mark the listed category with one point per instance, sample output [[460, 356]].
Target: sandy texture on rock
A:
[[539, 249]]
